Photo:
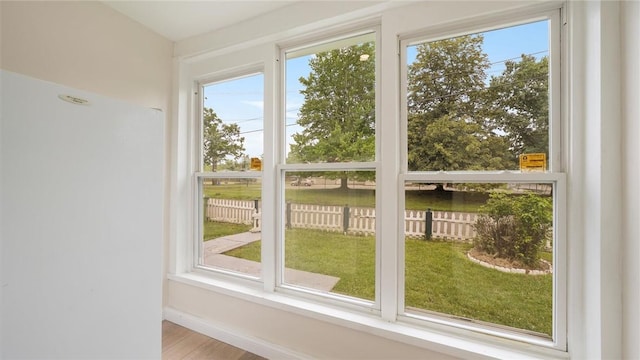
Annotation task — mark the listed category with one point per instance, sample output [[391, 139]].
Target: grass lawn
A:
[[415, 199], [438, 278], [215, 229], [234, 191]]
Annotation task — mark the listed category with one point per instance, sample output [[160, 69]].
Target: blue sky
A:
[[240, 100]]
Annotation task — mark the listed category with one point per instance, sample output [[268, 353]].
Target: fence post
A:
[[428, 224], [345, 218], [205, 209], [288, 216]]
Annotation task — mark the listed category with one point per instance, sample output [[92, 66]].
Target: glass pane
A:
[[330, 102], [480, 101], [330, 232], [481, 252], [231, 225], [232, 129]]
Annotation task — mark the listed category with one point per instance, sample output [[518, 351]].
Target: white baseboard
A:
[[229, 336]]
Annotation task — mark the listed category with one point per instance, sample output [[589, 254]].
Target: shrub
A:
[[514, 227]]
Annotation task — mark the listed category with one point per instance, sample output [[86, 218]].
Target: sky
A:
[[240, 100]]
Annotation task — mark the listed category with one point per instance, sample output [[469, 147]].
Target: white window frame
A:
[[386, 317], [282, 166], [199, 175], [554, 176]]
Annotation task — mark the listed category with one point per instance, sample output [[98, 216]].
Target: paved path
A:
[[213, 256]]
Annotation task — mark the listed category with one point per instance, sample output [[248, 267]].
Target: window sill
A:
[[449, 340]]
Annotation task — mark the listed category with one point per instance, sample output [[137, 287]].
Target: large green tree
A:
[[220, 140], [447, 113], [520, 104], [338, 113]]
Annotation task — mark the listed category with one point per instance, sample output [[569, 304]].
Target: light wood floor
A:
[[181, 343]]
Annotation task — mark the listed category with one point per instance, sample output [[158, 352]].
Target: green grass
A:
[[216, 229], [438, 277], [332, 196], [415, 199], [239, 191], [350, 258]]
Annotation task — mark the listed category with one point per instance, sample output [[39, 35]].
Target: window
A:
[[481, 199], [230, 180], [328, 169], [424, 193]]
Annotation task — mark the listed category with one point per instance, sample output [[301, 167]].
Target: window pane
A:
[[232, 131], [480, 101], [231, 225], [481, 252], [330, 232], [330, 102]]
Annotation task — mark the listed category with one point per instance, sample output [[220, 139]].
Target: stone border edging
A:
[[511, 270]]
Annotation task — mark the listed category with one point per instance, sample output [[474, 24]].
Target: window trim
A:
[[555, 175], [554, 16], [431, 336], [302, 45], [197, 165], [558, 340]]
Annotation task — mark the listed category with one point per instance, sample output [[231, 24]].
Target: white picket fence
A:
[[231, 211], [362, 221], [445, 224]]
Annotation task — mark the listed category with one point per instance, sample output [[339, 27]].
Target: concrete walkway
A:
[[213, 256]]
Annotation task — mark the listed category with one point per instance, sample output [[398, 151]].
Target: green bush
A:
[[514, 227]]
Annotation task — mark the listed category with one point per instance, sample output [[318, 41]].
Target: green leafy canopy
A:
[[220, 140]]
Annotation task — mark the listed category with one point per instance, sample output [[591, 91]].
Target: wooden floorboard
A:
[[180, 343]]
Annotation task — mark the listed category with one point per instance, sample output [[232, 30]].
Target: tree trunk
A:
[[344, 183], [440, 187]]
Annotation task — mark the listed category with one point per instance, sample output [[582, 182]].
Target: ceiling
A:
[[178, 20]]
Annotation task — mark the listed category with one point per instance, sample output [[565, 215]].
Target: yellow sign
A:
[[256, 164], [533, 162]]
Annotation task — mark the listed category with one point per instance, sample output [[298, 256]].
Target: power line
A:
[[519, 57], [428, 99], [258, 130]]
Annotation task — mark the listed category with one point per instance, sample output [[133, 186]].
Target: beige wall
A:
[[89, 46]]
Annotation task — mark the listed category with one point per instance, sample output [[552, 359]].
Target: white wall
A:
[[298, 335]]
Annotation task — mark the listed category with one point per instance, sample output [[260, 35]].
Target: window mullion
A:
[[269, 180], [389, 156]]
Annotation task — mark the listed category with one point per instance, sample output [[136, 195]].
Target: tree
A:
[[220, 140], [447, 114], [454, 144], [520, 104], [338, 114]]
